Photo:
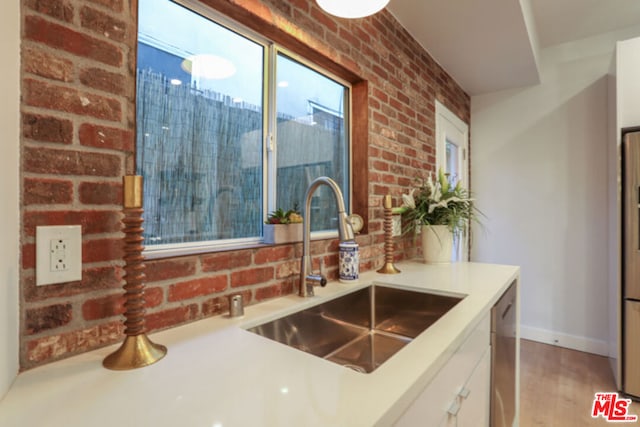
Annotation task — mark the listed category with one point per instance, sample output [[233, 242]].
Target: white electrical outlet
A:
[[396, 229], [58, 254]]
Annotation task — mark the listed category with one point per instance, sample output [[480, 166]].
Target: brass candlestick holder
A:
[[388, 267], [137, 350]]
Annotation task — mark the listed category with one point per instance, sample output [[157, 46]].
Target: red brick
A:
[[153, 296], [380, 165], [47, 128], [215, 306], [45, 318], [197, 287], [58, 37], [277, 290], [100, 193], [158, 270], [288, 269], [330, 261], [113, 305], [226, 260], [105, 137], [103, 307], [389, 156], [272, 253], [251, 276], [92, 222], [103, 24], [350, 38], [106, 81], [39, 94], [102, 250], [301, 5], [115, 5], [59, 9], [92, 279], [324, 19], [380, 189], [68, 162], [381, 95], [171, 317], [28, 256], [50, 348], [47, 192], [380, 118], [45, 64]]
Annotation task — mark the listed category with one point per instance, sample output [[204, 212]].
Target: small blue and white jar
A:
[[349, 257]]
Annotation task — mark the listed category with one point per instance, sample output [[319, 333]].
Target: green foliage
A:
[[280, 216]]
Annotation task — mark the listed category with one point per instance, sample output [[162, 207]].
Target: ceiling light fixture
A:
[[352, 8]]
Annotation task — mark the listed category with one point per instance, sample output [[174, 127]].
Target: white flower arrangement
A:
[[439, 202]]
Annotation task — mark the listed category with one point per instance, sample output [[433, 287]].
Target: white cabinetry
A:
[[459, 394], [474, 409]]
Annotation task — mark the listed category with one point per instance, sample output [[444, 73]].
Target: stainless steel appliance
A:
[[503, 359], [631, 264]]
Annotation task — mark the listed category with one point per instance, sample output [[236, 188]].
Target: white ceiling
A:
[[491, 45]]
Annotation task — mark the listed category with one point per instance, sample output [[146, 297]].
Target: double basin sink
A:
[[362, 329]]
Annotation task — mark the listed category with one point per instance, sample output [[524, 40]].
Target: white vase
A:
[[437, 244]]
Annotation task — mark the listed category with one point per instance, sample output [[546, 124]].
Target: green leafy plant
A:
[[280, 216], [439, 202]]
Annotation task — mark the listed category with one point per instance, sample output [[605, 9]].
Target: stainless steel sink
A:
[[360, 330]]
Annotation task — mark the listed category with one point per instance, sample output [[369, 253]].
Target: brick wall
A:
[[78, 118]]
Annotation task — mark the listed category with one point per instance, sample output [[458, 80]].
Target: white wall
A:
[[539, 173], [9, 208], [628, 67]]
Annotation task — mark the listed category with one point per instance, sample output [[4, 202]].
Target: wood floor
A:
[[557, 386]]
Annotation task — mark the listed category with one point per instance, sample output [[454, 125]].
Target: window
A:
[[452, 144], [229, 127]]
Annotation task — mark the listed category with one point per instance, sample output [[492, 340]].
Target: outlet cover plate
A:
[[46, 273]]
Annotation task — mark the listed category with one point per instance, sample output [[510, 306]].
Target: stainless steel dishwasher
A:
[[503, 359]]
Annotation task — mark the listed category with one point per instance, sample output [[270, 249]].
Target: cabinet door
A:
[[431, 406], [474, 397]]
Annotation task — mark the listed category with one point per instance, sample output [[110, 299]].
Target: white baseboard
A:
[[574, 342]]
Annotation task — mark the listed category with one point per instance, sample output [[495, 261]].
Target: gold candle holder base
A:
[[388, 267], [135, 352]]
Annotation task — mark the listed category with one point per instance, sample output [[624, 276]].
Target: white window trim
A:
[[445, 118], [443, 115]]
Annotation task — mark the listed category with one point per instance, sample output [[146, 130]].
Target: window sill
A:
[[185, 249]]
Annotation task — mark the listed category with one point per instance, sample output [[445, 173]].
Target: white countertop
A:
[[216, 374]]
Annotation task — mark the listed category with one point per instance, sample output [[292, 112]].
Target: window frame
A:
[[269, 138]]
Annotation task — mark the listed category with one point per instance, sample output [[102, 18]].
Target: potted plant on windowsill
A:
[[442, 209], [283, 226]]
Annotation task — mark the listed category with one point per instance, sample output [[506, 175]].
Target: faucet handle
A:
[[317, 279], [323, 278]]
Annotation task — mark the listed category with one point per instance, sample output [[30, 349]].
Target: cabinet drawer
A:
[[430, 407]]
